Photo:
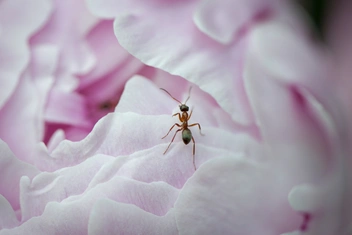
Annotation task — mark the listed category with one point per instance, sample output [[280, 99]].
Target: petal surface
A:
[[138, 23], [18, 21], [109, 217]]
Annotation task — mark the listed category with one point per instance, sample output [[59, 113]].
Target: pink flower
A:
[[272, 160]]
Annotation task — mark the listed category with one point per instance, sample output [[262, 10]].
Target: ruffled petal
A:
[[71, 215], [191, 56], [11, 171], [228, 183], [57, 186], [22, 118], [223, 20], [294, 108], [18, 21], [109, 217], [8, 217]]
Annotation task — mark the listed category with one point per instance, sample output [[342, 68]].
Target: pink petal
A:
[[57, 186], [339, 36], [66, 108], [109, 217], [109, 54], [294, 107], [109, 88], [68, 36], [149, 25], [152, 101], [11, 171], [292, 57], [24, 110], [71, 215], [141, 96], [174, 168], [125, 133], [19, 20], [228, 185], [223, 20], [8, 217]]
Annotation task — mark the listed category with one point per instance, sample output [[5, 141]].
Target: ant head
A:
[[184, 108]]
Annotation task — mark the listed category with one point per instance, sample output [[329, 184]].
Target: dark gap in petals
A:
[[50, 129], [306, 219], [298, 97]]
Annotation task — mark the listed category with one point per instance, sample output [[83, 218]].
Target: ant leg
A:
[[176, 124], [197, 124], [194, 152], [179, 116], [172, 139]]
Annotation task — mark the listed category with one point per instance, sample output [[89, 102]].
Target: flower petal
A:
[[227, 184], [223, 20], [18, 21], [76, 55], [144, 30], [109, 217], [57, 186], [71, 215], [8, 217], [294, 109], [24, 110], [11, 171]]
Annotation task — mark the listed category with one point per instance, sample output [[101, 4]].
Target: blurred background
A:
[[318, 11]]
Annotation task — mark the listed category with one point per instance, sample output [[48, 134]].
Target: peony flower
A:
[[272, 160]]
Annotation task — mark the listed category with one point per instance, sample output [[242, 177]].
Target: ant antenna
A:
[[170, 95], [189, 94]]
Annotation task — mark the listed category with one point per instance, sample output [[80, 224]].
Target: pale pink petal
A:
[[108, 53], [149, 25], [22, 116], [124, 133], [66, 108], [115, 134], [228, 185], [322, 202], [223, 20], [8, 217], [76, 55], [71, 215], [55, 139], [19, 19], [109, 217], [339, 37], [292, 57], [11, 171], [175, 167], [141, 96], [103, 95], [58, 185], [299, 124]]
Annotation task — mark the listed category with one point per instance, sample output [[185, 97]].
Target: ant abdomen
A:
[[186, 136]]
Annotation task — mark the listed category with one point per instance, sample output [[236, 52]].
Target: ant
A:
[[186, 133]]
